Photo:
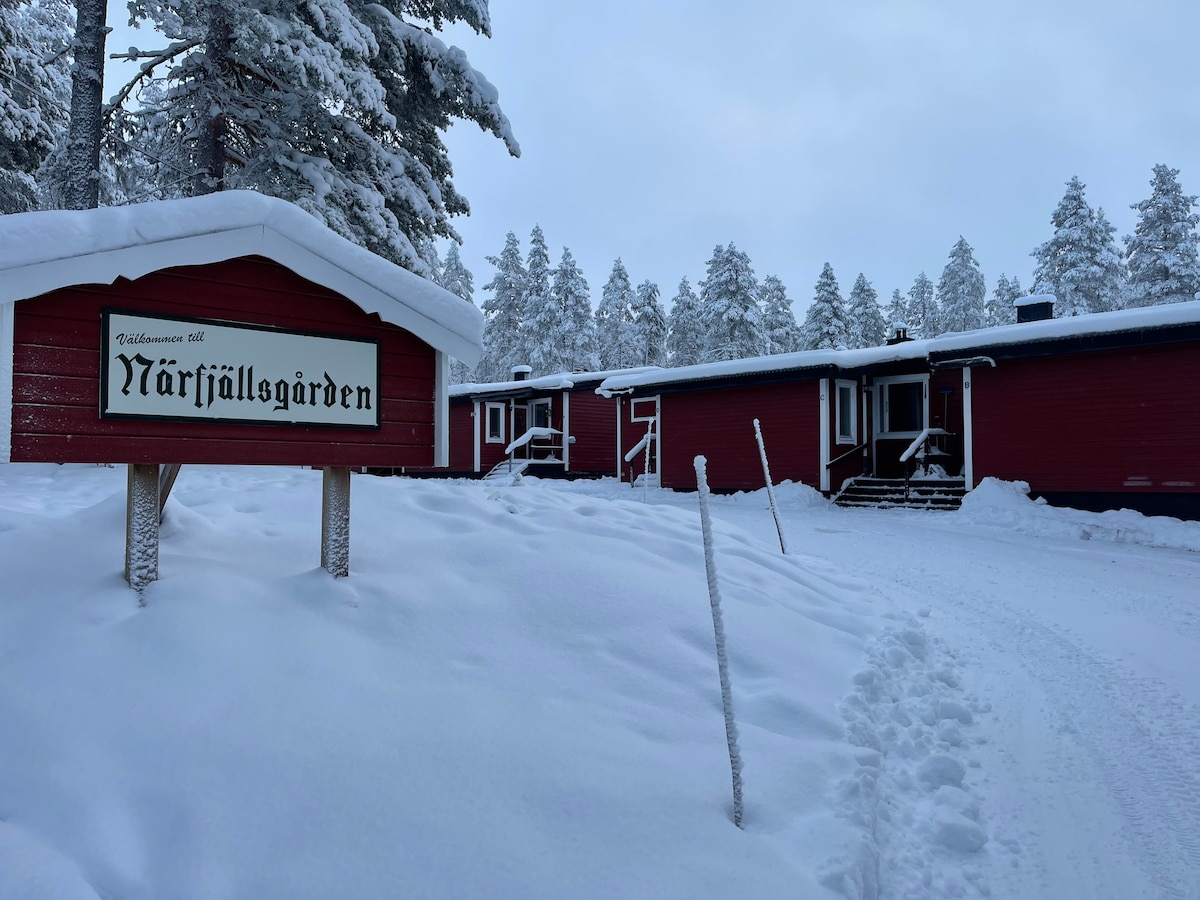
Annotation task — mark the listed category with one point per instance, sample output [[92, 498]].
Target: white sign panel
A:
[[177, 368]]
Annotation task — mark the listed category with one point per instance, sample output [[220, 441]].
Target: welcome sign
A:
[[169, 367]]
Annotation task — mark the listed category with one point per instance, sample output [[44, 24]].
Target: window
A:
[[539, 414], [643, 409], [846, 412], [495, 423], [903, 413]]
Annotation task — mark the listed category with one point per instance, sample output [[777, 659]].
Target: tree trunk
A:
[[87, 85]]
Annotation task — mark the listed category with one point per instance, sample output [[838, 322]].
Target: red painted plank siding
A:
[[462, 436], [1108, 421], [56, 370], [594, 427], [718, 424]]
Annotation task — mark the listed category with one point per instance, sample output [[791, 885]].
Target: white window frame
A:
[[850, 428], [882, 404], [487, 422], [633, 409], [531, 415]]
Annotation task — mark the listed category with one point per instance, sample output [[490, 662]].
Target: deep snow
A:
[[515, 694]]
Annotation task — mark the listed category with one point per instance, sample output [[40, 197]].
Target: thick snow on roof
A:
[[1146, 318], [42, 251], [559, 381]]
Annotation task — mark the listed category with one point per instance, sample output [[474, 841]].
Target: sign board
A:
[[178, 368]]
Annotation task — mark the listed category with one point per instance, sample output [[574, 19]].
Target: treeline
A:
[[541, 315]]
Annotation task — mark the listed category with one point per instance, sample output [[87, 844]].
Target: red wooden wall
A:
[[56, 416], [1105, 421], [719, 424], [462, 436], [594, 427]]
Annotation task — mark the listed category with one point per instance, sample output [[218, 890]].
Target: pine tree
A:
[[896, 314], [923, 316], [1110, 277], [825, 324], [616, 337], [503, 313], [540, 318], [961, 291], [779, 325], [34, 89], [685, 333], [339, 108], [573, 297], [729, 311], [457, 279], [1079, 265], [866, 325], [650, 325], [1001, 308], [1162, 251]]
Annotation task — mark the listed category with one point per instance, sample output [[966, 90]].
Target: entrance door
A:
[[520, 425], [901, 414]]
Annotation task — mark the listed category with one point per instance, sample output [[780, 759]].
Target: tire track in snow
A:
[[1141, 736]]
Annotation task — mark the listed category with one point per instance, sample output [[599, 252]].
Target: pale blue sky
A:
[[865, 133]]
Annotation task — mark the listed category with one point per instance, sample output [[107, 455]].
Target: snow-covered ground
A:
[[515, 694]]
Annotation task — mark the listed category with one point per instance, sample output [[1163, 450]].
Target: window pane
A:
[[845, 412], [906, 406], [495, 422]]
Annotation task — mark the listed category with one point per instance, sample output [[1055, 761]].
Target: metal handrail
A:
[[847, 454]]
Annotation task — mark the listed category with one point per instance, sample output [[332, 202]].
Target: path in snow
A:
[[1078, 659]]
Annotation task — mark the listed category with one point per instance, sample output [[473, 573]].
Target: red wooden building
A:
[[1096, 412], [551, 426], [109, 301]]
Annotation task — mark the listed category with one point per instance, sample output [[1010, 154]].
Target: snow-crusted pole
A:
[[335, 520], [762, 452], [714, 599], [141, 527], [646, 464]]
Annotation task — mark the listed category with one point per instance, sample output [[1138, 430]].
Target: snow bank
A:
[[514, 694], [1006, 504]]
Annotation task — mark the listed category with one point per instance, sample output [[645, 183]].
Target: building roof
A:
[[44, 251], [561, 381], [1094, 331]]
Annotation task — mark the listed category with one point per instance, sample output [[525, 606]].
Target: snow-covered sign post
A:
[[231, 329]]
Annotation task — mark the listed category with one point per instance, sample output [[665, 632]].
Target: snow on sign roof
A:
[[43, 251]]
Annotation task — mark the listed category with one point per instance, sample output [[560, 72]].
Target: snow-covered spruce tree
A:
[[866, 326], [616, 337], [457, 279], [1161, 253], [729, 309], [685, 333], [503, 314], [922, 309], [896, 314], [825, 325], [572, 295], [1079, 265], [541, 319], [962, 291], [338, 106], [781, 331], [1001, 308], [650, 325], [34, 91]]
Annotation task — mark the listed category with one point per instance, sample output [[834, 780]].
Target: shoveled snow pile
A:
[[1007, 504]]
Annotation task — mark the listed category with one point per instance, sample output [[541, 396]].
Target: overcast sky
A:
[[864, 133]]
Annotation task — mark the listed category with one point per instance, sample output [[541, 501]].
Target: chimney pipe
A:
[[1035, 307], [521, 373]]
